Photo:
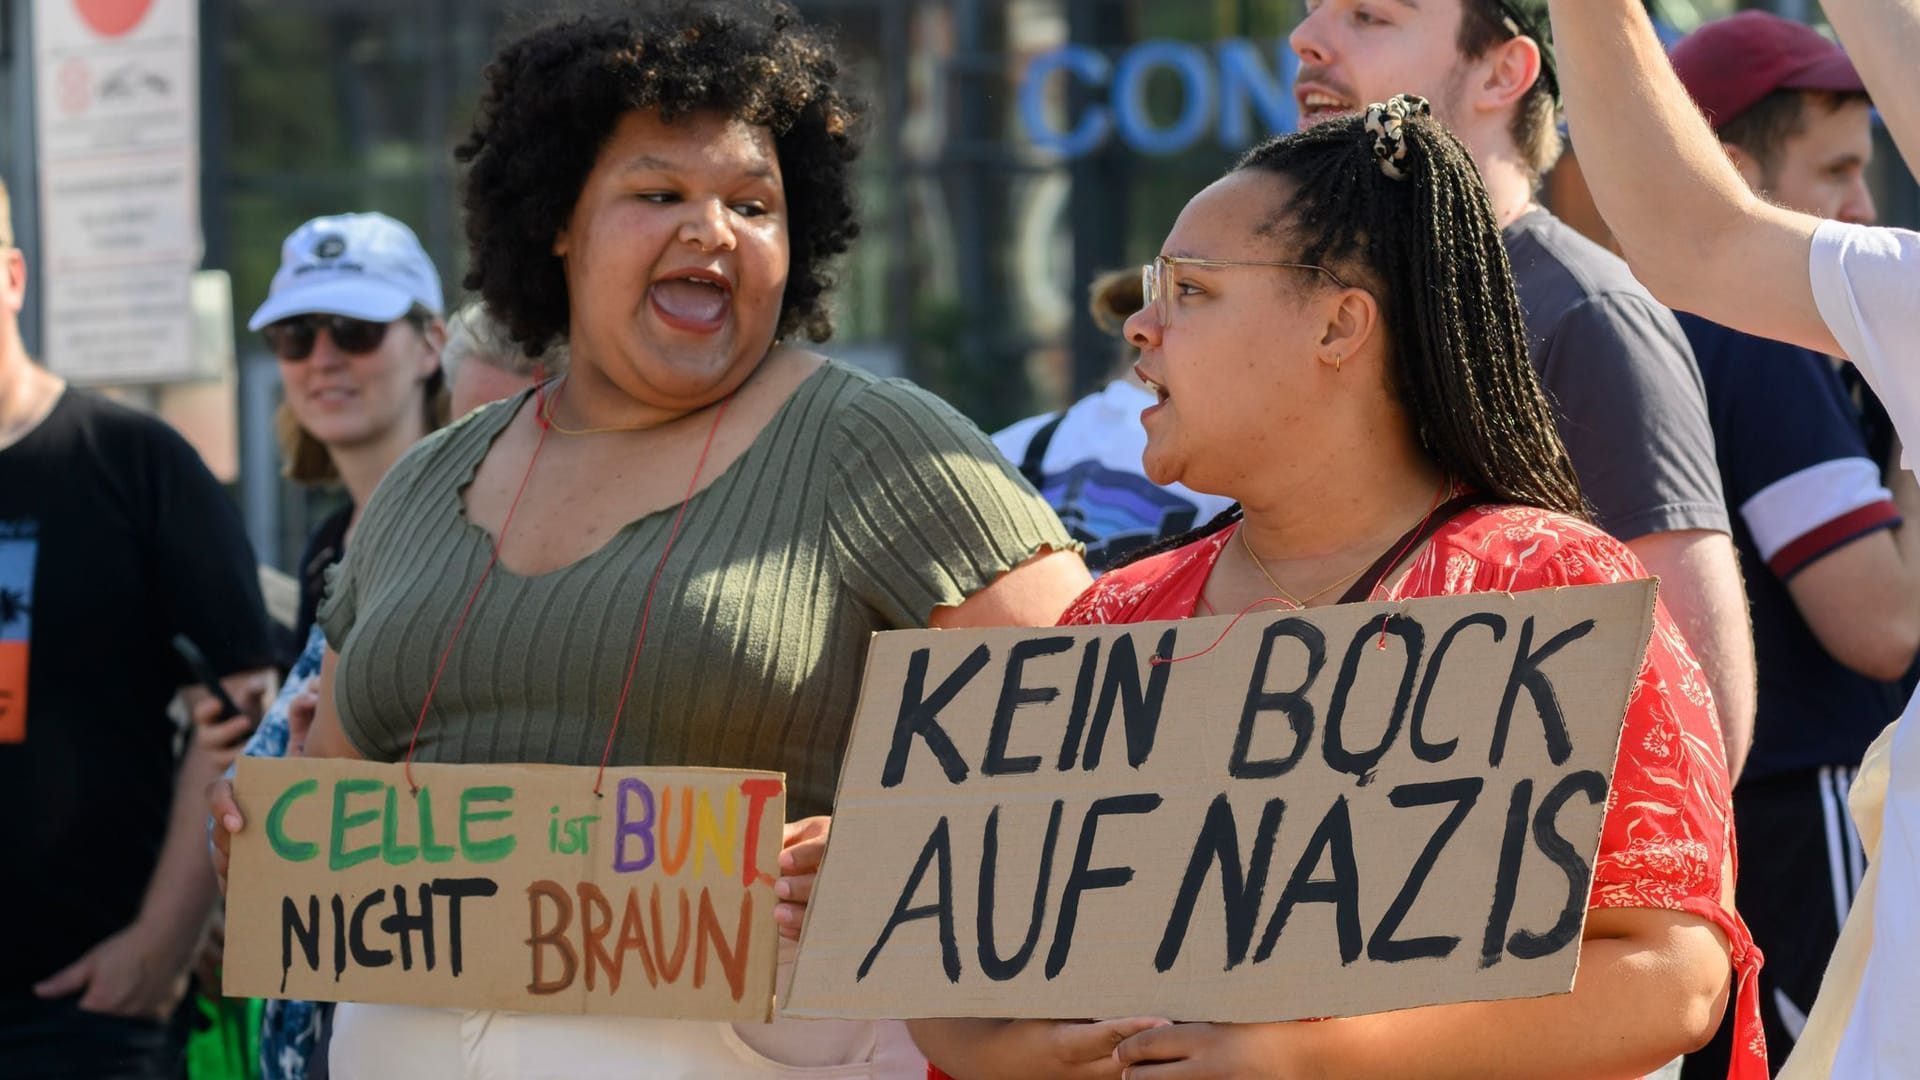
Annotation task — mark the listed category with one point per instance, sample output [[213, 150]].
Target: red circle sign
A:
[[111, 18]]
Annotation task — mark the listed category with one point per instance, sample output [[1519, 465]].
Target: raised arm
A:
[[1693, 231], [1883, 37]]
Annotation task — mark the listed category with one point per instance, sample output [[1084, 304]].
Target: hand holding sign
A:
[[1334, 812], [1054, 1049], [802, 847], [227, 820], [1218, 1052], [508, 887]]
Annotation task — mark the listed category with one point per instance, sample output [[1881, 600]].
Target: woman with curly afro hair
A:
[[674, 554]]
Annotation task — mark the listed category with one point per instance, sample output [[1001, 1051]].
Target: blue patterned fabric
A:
[[289, 1030]]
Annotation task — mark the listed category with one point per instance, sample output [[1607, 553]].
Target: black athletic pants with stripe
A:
[[1800, 865]]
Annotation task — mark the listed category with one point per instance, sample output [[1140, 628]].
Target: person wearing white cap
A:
[[354, 317]]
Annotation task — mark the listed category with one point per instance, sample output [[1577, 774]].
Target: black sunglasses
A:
[[292, 338]]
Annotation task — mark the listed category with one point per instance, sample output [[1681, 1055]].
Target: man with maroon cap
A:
[[1790, 109], [1704, 242], [1833, 576]]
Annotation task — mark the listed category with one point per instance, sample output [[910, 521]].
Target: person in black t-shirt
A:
[[357, 399], [113, 539]]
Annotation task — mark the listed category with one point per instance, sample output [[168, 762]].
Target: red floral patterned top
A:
[[1668, 834]]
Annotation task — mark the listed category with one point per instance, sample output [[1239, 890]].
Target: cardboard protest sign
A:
[[1298, 823], [507, 887]]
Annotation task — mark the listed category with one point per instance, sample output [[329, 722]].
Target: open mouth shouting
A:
[[1318, 102], [692, 300], [1159, 392]]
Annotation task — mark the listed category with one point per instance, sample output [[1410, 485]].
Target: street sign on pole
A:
[[117, 111]]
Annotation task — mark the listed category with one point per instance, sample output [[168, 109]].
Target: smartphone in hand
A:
[[196, 662]]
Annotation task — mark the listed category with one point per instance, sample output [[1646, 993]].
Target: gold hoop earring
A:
[[1338, 359]]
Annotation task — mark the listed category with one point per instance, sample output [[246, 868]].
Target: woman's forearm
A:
[[968, 1048], [1638, 1003], [1027, 1049]]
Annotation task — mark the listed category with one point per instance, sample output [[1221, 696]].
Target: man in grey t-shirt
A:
[[1620, 375], [1613, 361]]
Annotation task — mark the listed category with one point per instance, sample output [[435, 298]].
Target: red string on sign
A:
[[1244, 612], [539, 396], [1439, 499], [646, 612]]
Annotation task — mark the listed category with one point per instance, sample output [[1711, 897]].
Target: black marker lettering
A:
[[990, 962], [1526, 672], [1142, 707], [357, 934], [1506, 876], [1334, 748], [939, 847], [1219, 842], [456, 890], [339, 937], [308, 934], [1462, 793], [1294, 703], [1530, 946], [1085, 877], [920, 715], [1434, 753], [402, 925], [1082, 702], [1012, 696], [1333, 838]]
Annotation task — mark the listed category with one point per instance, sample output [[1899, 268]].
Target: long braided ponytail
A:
[[1430, 240]]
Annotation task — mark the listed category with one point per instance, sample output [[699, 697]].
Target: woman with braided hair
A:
[[1335, 342]]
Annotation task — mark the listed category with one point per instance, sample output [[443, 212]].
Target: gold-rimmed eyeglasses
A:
[[1156, 278]]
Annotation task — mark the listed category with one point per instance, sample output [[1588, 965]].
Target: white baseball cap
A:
[[363, 266]]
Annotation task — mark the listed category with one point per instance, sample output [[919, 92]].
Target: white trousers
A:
[[397, 1042]]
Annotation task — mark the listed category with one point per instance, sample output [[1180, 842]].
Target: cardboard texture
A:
[[1297, 823], [507, 887]]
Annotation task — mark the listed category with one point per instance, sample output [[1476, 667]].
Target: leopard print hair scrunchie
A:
[[1387, 124]]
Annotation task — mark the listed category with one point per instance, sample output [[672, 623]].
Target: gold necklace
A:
[[545, 416], [1446, 482], [1281, 589]]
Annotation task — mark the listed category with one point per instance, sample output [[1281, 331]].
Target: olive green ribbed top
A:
[[862, 506]]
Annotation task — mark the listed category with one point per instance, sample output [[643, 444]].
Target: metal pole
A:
[[23, 175]]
